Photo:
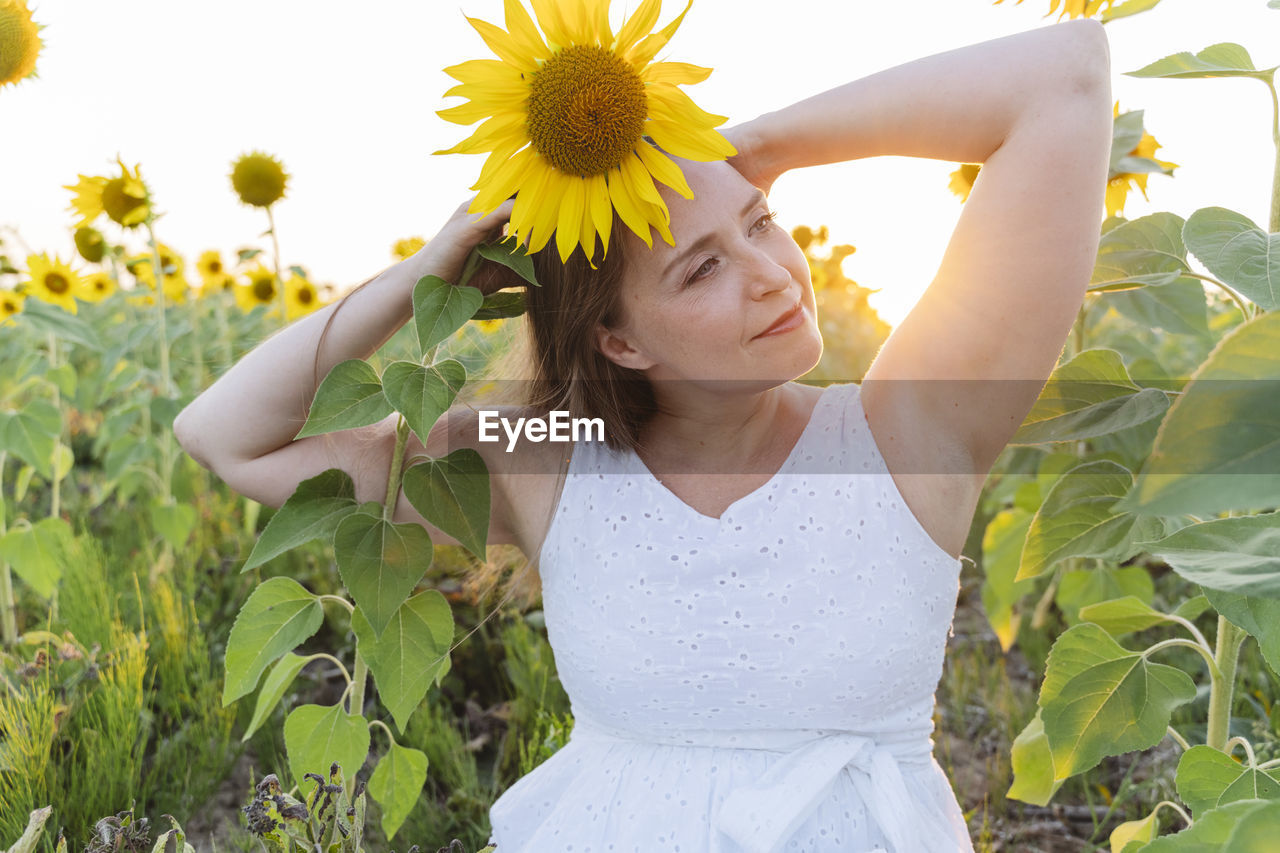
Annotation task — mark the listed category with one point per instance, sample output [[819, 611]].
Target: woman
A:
[[751, 656]]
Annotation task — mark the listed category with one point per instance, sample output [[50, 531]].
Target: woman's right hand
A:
[[463, 231]]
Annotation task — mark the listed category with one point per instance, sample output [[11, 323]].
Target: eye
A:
[[764, 221], [703, 270]]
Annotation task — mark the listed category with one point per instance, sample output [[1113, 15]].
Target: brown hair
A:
[[553, 364], [554, 353]]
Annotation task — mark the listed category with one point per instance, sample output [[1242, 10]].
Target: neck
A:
[[697, 430]]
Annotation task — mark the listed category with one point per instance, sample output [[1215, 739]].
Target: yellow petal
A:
[[577, 27], [639, 181], [501, 43], [598, 207], [587, 227], [674, 73], [671, 104], [468, 113], [638, 25], [547, 208], [675, 138], [598, 15], [496, 131], [569, 224], [523, 32], [663, 168], [484, 72], [525, 207], [504, 181], [496, 160], [551, 22], [646, 50], [628, 209]]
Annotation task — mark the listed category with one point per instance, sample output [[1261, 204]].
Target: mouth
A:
[[785, 323]]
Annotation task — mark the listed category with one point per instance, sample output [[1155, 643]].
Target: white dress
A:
[[763, 681]]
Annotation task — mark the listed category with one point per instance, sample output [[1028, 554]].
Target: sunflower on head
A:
[[573, 117]]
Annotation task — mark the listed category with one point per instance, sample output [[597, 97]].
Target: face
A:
[[697, 310]]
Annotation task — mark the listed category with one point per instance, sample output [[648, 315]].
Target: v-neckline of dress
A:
[[754, 493]]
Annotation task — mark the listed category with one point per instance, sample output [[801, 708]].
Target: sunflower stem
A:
[[1226, 655], [224, 330], [166, 435], [8, 607], [55, 490], [275, 247], [1274, 225]]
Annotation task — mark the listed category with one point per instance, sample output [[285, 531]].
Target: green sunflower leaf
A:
[[317, 736], [410, 653], [349, 396], [452, 493], [313, 510], [1208, 778], [423, 394], [277, 616], [396, 783], [440, 309], [380, 563]]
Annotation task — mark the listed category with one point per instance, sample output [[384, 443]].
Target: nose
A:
[[768, 274]]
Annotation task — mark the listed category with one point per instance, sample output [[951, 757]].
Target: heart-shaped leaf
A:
[[316, 736], [38, 552], [349, 396], [1237, 251], [1260, 617], [452, 493], [396, 783], [1143, 251], [1100, 699], [423, 394], [313, 510], [410, 652], [440, 309], [1077, 519], [380, 563], [1208, 778]]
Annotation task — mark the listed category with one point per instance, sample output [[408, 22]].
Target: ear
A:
[[613, 346]]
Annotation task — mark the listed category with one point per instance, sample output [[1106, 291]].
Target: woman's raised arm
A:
[[959, 105], [1035, 109], [243, 427]]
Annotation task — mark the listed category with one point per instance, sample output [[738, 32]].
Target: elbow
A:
[[188, 442], [1091, 59]]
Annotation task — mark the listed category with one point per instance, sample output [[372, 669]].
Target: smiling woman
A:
[[747, 583]]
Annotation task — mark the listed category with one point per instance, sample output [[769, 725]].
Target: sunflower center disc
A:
[[56, 283], [586, 110], [264, 289]]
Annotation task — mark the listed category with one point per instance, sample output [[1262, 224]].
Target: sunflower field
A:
[[184, 668]]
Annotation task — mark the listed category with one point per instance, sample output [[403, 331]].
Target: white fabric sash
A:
[[760, 817]]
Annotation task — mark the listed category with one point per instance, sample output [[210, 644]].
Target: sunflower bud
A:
[[90, 244]]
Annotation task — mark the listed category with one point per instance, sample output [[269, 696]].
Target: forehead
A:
[[719, 192]]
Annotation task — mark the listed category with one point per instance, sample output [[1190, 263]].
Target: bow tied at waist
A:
[[762, 815]]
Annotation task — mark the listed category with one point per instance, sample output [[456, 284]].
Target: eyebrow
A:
[[702, 241]]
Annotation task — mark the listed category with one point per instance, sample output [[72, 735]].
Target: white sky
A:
[[345, 95]]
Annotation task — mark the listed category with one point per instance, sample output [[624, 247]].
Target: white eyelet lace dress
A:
[[754, 683]]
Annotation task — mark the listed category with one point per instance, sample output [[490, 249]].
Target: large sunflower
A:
[[568, 120], [53, 281]]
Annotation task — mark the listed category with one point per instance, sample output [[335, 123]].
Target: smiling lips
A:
[[785, 323]]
